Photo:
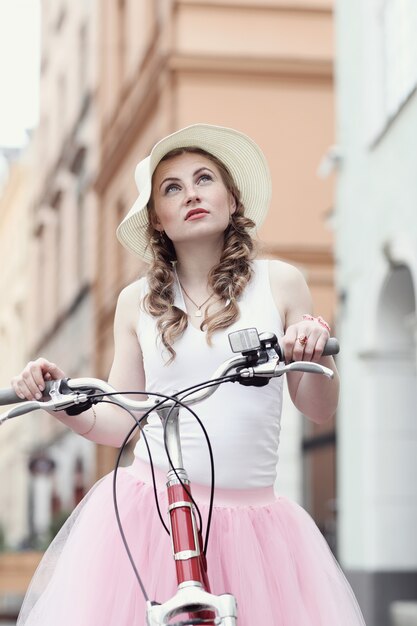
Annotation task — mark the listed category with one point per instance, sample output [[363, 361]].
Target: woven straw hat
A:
[[241, 156]]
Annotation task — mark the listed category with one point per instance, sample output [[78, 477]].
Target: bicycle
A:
[[259, 359]]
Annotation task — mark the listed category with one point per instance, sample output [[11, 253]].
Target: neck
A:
[[194, 265]]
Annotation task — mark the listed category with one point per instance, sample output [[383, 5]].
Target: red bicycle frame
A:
[[193, 596], [187, 548], [187, 543]]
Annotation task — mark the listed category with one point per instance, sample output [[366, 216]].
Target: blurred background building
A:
[[15, 442], [376, 252], [48, 226], [116, 75]]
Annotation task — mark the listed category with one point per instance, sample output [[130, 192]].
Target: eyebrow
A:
[[174, 179]]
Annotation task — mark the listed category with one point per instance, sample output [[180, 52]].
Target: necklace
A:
[[198, 312]]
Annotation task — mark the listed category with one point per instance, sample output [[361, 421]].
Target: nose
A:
[[192, 195]]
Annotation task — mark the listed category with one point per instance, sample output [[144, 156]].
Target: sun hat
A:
[[241, 156]]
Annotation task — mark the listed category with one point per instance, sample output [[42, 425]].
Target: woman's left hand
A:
[[304, 340]]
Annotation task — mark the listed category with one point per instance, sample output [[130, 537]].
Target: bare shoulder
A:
[[131, 292], [284, 274], [289, 289], [127, 368], [128, 303]]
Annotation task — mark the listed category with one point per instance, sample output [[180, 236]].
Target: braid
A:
[[159, 301], [230, 276]]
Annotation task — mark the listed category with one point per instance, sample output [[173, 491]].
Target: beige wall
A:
[[293, 136], [15, 435], [253, 30]]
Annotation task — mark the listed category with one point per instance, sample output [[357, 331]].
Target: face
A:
[[190, 198]]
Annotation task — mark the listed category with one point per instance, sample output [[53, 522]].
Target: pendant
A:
[[198, 313]]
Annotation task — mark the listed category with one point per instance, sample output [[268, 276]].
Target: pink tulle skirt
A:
[[264, 549]]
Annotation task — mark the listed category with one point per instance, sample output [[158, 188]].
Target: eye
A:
[[171, 188], [204, 178]]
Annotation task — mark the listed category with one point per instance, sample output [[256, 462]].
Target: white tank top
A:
[[243, 423]]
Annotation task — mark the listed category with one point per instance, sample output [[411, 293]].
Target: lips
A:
[[194, 213]]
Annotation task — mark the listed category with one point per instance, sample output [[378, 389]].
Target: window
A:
[[390, 47], [61, 112], [83, 58], [121, 40], [82, 224], [60, 19]]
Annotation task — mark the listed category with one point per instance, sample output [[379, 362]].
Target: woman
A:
[[202, 192]]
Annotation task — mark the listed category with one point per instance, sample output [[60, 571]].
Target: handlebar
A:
[[258, 362]]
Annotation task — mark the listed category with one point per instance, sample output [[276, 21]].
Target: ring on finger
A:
[[302, 339]]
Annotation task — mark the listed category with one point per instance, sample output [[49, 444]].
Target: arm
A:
[[315, 396], [110, 423]]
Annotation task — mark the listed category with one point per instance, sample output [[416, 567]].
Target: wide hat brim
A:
[[240, 154]]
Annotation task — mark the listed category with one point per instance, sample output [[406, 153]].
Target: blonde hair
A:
[[227, 280]]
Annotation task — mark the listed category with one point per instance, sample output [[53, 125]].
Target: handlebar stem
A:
[[169, 417]]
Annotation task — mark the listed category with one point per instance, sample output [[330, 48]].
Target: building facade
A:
[[52, 315], [14, 243], [63, 239], [376, 225], [59, 260], [17, 437]]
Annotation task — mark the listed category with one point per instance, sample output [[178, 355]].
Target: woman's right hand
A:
[[30, 383]]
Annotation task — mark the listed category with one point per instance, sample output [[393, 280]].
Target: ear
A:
[[154, 220], [233, 204]]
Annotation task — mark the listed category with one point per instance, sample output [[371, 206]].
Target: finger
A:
[[38, 371], [320, 345], [33, 377], [53, 369], [47, 371], [300, 346], [29, 383], [27, 391], [310, 347], [16, 385], [287, 343]]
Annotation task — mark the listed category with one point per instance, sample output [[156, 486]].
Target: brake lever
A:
[[34, 405], [265, 370], [21, 409], [273, 369], [58, 402], [307, 366], [62, 401]]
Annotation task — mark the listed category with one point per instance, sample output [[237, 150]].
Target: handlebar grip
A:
[[8, 396], [332, 347]]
